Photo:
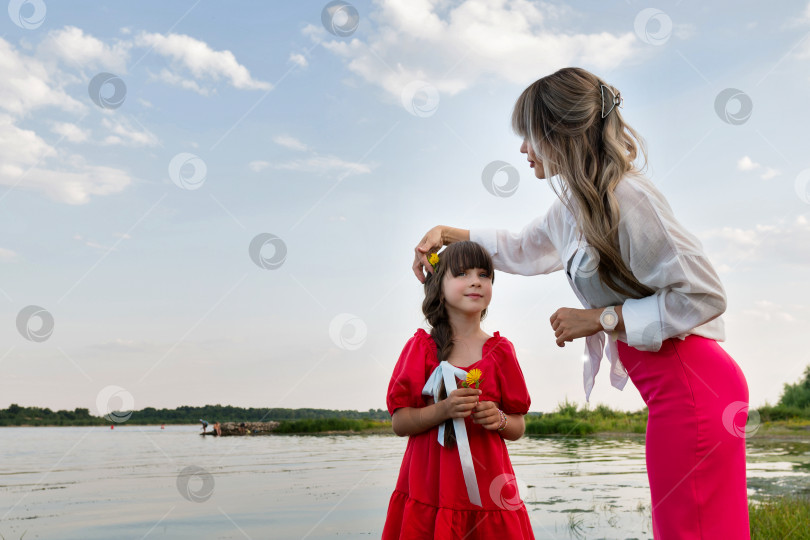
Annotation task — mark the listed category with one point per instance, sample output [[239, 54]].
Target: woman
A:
[[646, 285]]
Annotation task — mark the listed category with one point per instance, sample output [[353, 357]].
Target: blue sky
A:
[[348, 148]]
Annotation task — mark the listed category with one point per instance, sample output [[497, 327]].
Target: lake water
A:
[[137, 482]]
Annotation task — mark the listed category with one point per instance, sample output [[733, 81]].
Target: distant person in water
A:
[[217, 429], [204, 424]]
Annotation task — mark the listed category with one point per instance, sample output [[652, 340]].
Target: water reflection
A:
[[94, 483]]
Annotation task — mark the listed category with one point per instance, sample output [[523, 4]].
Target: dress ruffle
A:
[[409, 519]]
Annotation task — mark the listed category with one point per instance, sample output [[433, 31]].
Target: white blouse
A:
[[689, 297]]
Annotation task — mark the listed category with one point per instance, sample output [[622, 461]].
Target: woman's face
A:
[[534, 162]]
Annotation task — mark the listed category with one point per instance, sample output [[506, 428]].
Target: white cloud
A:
[[7, 254], [176, 80], [26, 84], [316, 163], [747, 164], [71, 132], [201, 60], [125, 134], [28, 162], [767, 311], [781, 242], [73, 46], [801, 20], [299, 59], [258, 166], [324, 165], [515, 40], [770, 173], [290, 142]]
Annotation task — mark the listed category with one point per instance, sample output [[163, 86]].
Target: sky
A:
[[204, 203]]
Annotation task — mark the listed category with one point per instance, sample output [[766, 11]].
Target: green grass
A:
[[782, 517], [571, 420], [319, 425]]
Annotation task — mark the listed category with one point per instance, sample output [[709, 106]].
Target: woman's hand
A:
[[570, 324], [486, 414], [430, 243], [460, 402]]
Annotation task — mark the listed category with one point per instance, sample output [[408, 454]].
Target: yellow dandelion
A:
[[473, 377], [433, 259]]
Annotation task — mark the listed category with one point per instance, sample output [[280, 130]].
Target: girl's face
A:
[[469, 292], [534, 161]]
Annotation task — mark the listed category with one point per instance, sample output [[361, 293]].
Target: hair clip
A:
[[617, 99]]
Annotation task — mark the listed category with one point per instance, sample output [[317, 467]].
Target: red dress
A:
[[430, 500]]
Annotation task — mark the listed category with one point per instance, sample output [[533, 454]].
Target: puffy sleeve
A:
[[408, 379], [666, 257], [530, 252], [514, 394]]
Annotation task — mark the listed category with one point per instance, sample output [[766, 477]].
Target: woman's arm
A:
[[531, 251], [452, 234]]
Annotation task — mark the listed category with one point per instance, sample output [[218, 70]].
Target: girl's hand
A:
[[430, 243], [460, 402], [570, 324], [486, 414]]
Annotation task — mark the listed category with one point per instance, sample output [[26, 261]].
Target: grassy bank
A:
[[571, 420], [325, 425], [781, 517]]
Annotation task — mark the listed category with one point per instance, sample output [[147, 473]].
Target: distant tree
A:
[[797, 395]]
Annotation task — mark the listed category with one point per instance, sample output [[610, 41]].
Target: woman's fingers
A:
[[432, 241], [417, 269], [421, 264]]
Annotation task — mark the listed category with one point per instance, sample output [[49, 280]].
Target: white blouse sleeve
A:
[[529, 252], [666, 257]]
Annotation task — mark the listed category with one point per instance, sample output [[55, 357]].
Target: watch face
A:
[[609, 319]]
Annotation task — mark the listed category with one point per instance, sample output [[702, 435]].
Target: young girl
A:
[[459, 482]]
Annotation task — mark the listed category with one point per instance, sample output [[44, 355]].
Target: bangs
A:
[[467, 255], [522, 114]]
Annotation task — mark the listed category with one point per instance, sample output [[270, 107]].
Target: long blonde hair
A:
[[561, 117]]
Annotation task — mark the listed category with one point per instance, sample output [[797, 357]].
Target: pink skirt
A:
[[697, 398]]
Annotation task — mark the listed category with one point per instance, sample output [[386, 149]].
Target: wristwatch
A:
[[609, 319]]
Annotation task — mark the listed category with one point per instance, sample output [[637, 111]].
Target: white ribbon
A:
[[448, 372]]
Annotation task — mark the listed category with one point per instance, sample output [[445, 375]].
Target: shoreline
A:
[[765, 433]]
